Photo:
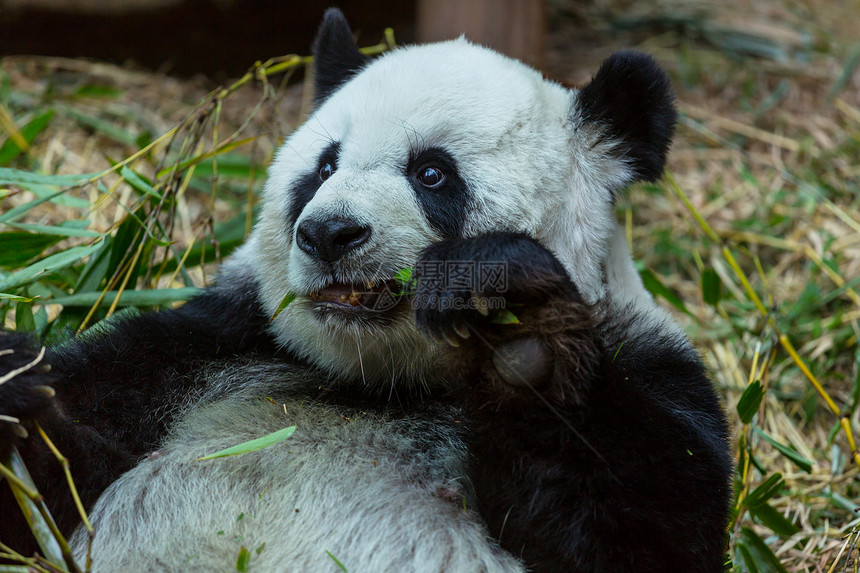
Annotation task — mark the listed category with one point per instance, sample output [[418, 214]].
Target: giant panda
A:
[[434, 431]]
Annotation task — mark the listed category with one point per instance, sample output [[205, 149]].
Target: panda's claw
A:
[[45, 391], [449, 338], [462, 330], [478, 303]]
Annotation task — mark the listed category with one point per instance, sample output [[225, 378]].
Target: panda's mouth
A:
[[374, 296]]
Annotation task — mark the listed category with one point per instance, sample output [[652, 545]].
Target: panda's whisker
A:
[[360, 360], [320, 123]]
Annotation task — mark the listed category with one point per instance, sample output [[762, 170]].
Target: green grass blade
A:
[[337, 562], [18, 248], [31, 129], [9, 176], [154, 297], [750, 401], [243, 559], [766, 490], [773, 519], [138, 183], [38, 525], [253, 445], [759, 556], [47, 266], [62, 231], [786, 451]]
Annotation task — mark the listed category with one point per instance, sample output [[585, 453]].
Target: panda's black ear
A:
[[336, 55], [632, 97]]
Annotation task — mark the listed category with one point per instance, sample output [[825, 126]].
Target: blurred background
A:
[[219, 37]]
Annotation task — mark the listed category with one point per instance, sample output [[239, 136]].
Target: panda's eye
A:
[[326, 171], [431, 177]]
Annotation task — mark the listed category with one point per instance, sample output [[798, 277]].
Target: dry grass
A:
[[767, 152]]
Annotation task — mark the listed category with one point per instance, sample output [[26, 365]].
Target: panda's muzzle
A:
[[330, 239], [367, 296]]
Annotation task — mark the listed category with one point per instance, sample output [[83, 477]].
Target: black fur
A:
[[619, 463], [103, 418], [30, 393], [530, 275], [633, 97], [446, 206], [336, 55], [306, 187]]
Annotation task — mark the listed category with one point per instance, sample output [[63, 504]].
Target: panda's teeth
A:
[[343, 298], [354, 299], [315, 295], [369, 284]]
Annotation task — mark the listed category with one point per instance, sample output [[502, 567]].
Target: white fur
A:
[[530, 161], [379, 494]]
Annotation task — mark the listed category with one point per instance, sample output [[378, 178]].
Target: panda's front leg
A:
[[505, 298], [589, 452]]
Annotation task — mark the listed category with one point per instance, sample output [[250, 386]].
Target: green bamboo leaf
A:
[[18, 248], [31, 129], [229, 165], [657, 288], [154, 297], [94, 90], [243, 559], [337, 562], [253, 445], [851, 64], [712, 288], [285, 302], [208, 154], [9, 176], [786, 451], [505, 316], [108, 128], [765, 490], [750, 401], [61, 230], [47, 266], [24, 320], [21, 210], [15, 297], [746, 557], [403, 277], [30, 510], [138, 183], [773, 519], [855, 386], [757, 555]]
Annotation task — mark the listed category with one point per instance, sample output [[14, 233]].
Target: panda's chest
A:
[[345, 482]]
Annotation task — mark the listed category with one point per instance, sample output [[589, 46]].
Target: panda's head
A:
[[442, 141]]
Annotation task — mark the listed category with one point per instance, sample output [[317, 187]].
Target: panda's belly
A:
[[372, 491]]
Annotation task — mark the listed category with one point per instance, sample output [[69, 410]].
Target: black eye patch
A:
[[441, 192], [307, 186]]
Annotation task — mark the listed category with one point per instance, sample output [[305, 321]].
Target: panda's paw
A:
[[26, 386], [555, 349], [462, 286]]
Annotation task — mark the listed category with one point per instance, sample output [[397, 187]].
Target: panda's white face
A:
[[425, 143]]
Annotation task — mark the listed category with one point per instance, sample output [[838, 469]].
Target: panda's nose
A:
[[330, 239]]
